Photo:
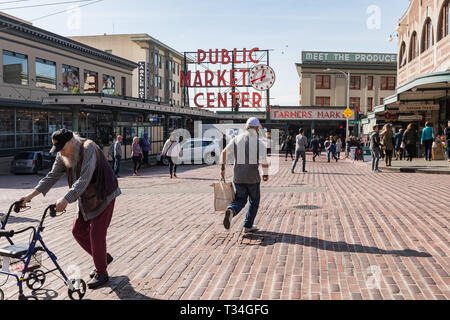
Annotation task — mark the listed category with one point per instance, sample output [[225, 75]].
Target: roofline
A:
[[13, 26]]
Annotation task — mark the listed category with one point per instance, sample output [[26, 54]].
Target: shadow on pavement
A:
[[122, 287], [43, 294], [18, 219], [269, 238]]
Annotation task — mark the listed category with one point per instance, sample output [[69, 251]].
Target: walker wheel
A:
[[2, 295], [36, 280], [77, 289]]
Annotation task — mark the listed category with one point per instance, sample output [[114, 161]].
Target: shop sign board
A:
[[308, 114], [418, 107]]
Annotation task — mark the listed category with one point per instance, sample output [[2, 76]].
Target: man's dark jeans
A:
[[117, 164], [243, 192], [428, 145], [299, 154]]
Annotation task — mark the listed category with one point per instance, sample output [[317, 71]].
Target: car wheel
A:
[[210, 159]]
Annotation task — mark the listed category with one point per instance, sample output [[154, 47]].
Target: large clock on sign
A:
[[262, 77]]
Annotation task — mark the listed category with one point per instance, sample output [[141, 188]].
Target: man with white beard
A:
[[93, 183]]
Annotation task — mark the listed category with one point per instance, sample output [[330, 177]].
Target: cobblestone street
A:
[[336, 232]]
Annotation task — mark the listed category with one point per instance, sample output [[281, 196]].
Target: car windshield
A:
[[24, 156]]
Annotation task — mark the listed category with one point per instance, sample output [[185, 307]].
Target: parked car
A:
[[206, 150], [31, 161]]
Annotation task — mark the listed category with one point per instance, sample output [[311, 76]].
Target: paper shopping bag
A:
[[223, 195]]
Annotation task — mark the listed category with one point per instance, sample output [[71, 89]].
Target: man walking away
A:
[[375, 148], [117, 155], [300, 150], [289, 146], [330, 147], [146, 147], [315, 147], [398, 145], [248, 152], [447, 139], [427, 139]]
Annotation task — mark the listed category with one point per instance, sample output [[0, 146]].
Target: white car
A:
[[198, 150]]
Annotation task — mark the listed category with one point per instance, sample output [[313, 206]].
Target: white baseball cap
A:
[[253, 122]]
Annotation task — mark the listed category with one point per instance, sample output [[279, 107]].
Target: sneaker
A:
[[378, 170], [292, 170], [109, 259], [229, 213], [98, 280], [304, 171], [250, 230]]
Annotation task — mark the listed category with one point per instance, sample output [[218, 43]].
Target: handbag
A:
[[223, 195]]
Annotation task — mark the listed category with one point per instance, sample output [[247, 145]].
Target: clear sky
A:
[[286, 26]]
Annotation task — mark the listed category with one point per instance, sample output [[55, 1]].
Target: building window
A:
[[443, 27], [71, 79], [427, 35], [413, 47], [387, 83], [323, 81], [402, 55], [369, 104], [381, 101], [370, 83], [15, 68], [354, 103], [157, 82], [45, 74], [7, 130], [323, 101], [109, 84], [90, 81], [355, 82]]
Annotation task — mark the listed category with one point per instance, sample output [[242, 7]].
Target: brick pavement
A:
[[336, 232]]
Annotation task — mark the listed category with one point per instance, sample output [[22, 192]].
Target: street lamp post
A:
[[347, 75]]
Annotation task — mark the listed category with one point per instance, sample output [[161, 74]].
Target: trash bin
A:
[[353, 153], [367, 155]]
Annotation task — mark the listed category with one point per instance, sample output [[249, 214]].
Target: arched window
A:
[[443, 26], [413, 46], [402, 61], [427, 35]]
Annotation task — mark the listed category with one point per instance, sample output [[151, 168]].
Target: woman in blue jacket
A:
[[427, 140]]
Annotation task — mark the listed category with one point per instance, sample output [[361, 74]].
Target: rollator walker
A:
[[27, 257]]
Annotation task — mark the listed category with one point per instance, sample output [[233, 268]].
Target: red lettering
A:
[[197, 80], [251, 55], [209, 76], [332, 114], [233, 78], [244, 56], [319, 114], [275, 113], [211, 56], [225, 54], [256, 100], [221, 78], [245, 99], [209, 100], [201, 56], [234, 95], [235, 59], [222, 99], [195, 100], [304, 115], [286, 114], [310, 114], [244, 72], [185, 79]]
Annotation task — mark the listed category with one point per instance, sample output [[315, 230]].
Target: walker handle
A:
[[8, 234]]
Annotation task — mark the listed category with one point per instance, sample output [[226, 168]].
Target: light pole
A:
[[347, 75]]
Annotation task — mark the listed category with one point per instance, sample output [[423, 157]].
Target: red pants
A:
[[91, 236]]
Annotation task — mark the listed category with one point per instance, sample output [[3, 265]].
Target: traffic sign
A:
[[348, 113]]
